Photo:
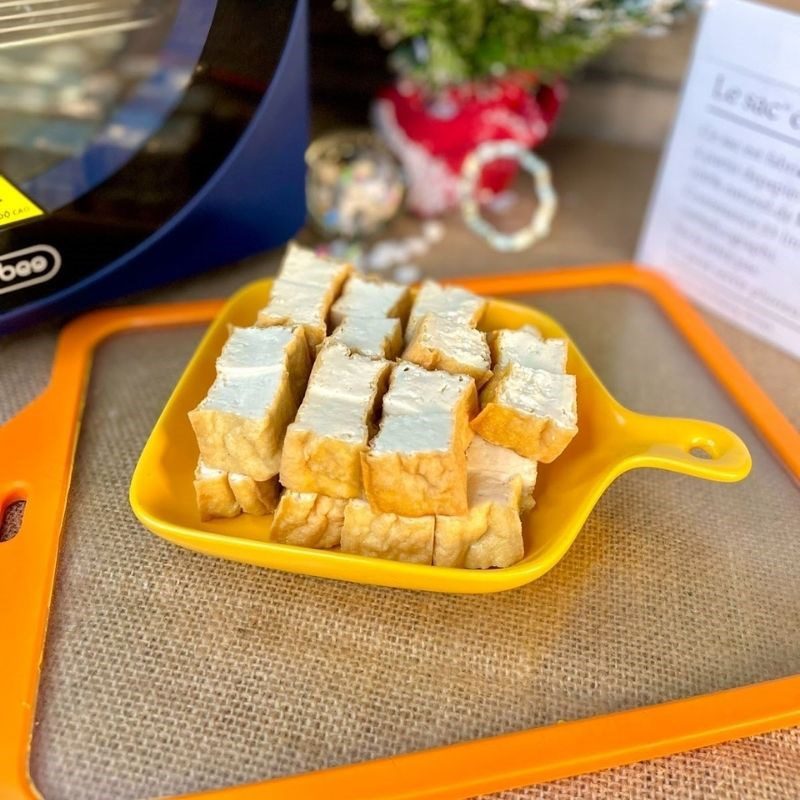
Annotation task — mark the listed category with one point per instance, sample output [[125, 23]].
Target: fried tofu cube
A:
[[303, 265], [368, 297], [446, 343], [416, 464], [374, 337], [308, 519], [527, 348], [304, 292], [254, 351], [454, 535], [255, 497], [323, 446], [490, 533], [416, 391], [502, 545], [416, 467], [503, 464], [241, 422], [445, 301], [339, 372], [380, 535], [214, 495], [531, 411]]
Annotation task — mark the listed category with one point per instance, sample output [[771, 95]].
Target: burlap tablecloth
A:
[[166, 671]]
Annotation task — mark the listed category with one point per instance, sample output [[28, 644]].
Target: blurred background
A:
[[587, 95], [602, 152]]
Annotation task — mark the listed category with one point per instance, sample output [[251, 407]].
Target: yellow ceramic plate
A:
[[611, 441]]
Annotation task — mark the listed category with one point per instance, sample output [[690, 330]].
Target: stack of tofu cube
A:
[[378, 426]]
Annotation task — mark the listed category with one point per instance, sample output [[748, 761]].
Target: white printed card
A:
[[724, 220]]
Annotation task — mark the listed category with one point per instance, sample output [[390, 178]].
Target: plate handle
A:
[[689, 446]]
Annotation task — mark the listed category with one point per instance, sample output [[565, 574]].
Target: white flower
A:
[[599, 17], [362, 13]]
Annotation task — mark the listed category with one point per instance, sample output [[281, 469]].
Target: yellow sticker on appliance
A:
[[14, 205]]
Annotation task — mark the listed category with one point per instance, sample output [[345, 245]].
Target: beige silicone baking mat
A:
[[166, 671]]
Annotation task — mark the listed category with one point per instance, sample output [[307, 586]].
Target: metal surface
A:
[[42, 21]]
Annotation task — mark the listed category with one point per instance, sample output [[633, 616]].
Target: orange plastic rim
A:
[[42, 439]]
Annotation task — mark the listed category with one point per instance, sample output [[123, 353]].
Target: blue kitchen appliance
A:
[[144, 140]]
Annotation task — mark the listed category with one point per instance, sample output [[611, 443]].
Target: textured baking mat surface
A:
[[166, 671]]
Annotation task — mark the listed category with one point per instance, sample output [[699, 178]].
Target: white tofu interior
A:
[[339, 373], [363, 297], [245, 395], [367, 336], [340, 394], [460, 342], [540, 393], [304, 291], [341, 418], [527, 348], [485, 487], [301, 265], [204, 472], [414, 390], [444, 301], [301, 303], [503, 464], [407, 433], [251, 351]]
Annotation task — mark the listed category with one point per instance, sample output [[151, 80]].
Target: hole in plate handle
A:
[[700, 452], [11, 520]]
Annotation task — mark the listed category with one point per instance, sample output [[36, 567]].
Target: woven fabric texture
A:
[[166, 671], [762, 768]]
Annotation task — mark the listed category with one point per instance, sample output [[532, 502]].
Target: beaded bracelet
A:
[[539, 225]]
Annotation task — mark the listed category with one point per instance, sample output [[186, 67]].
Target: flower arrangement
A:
[[439, 43]]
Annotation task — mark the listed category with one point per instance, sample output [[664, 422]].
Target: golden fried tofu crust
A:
[[416, 484], [308, 519], [255, 497], [373, 533], [490, 533], [214, 495]]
